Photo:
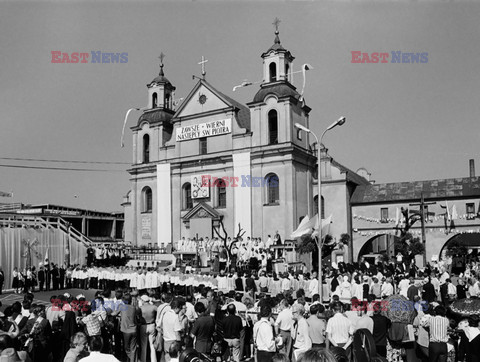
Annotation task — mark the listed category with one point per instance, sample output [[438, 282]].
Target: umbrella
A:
[[466, 307], [399, 309]]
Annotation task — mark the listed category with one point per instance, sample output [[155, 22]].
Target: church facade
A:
[[213, 161]]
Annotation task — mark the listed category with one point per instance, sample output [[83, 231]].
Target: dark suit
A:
[[41, 279], [62, 277], [55, 277]]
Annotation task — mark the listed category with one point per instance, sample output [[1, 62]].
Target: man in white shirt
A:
[[95, 346], [283, 326], [403, 286], [300, 334], [387, 288], [339, 329], [263, 337]]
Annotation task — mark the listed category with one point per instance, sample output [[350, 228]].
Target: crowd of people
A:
[[150, 314]]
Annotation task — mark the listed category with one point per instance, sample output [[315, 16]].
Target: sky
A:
[[405, 121]]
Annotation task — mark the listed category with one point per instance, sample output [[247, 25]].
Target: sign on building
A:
[[199, 188], [207, 129], [146, 227]]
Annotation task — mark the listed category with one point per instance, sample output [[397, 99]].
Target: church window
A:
[[299, 134], [221, 191], [273, 189], [203, 145], [322, 207], [287, 69], [147, 199], [154, 100], [384, 214], [146, 148], [167, 101], [273, 71], [272, 127], [187, 202]]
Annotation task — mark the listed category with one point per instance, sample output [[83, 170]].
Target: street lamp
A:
[[339, 122]]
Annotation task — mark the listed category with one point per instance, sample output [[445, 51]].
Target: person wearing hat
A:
[[147, 328]]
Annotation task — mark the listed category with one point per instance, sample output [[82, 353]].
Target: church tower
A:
[[152, 131]]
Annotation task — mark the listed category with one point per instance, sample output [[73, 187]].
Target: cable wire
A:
[[62, 168], [64, 161]]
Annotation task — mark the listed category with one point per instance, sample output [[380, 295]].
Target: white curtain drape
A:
[[12, 248]]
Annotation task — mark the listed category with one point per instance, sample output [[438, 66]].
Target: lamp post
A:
[[339, 122]]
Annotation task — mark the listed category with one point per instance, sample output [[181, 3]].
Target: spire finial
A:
[[161, 63], [275, 23], [202, 63]]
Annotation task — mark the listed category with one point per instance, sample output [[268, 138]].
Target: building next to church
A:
[[261, 170], [451, 214]]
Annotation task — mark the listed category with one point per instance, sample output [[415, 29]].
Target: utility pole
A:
[[423, 206]]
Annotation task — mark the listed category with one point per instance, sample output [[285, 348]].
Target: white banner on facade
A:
[[207, 129]]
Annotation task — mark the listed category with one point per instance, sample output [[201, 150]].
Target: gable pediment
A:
[[202, 211], [202, 99]]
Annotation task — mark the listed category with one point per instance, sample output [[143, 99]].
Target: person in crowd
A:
[[438, 326], [339, 329], [232, 326], [203, 329], [381, 324], [95, 347], [317, 325], [78, 348], [284, 324], [264, 337], [300, 332], [147, 329], [171, 326]]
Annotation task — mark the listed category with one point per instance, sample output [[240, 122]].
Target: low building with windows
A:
[[451, 216], [213, 160]]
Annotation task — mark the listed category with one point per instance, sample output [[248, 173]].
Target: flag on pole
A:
[[397, 217], [305, 67]]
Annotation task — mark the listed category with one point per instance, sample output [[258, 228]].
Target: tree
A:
[[224, 237], [407, 245], [307, 244]]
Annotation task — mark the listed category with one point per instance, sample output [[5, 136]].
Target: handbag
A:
[[409, 335]]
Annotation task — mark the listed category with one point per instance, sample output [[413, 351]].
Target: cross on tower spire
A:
[[275, 23], [161, 62], [202, 63]]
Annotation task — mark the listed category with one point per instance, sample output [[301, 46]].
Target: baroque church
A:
[[213, 161]]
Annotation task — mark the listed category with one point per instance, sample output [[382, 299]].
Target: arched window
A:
[[146, 148], [273, 189], [272, 127], [322, 206], [154, 100], [147, 199], [167, 101], [221, 193], [273, 71], [187, 202], [287, 69]]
